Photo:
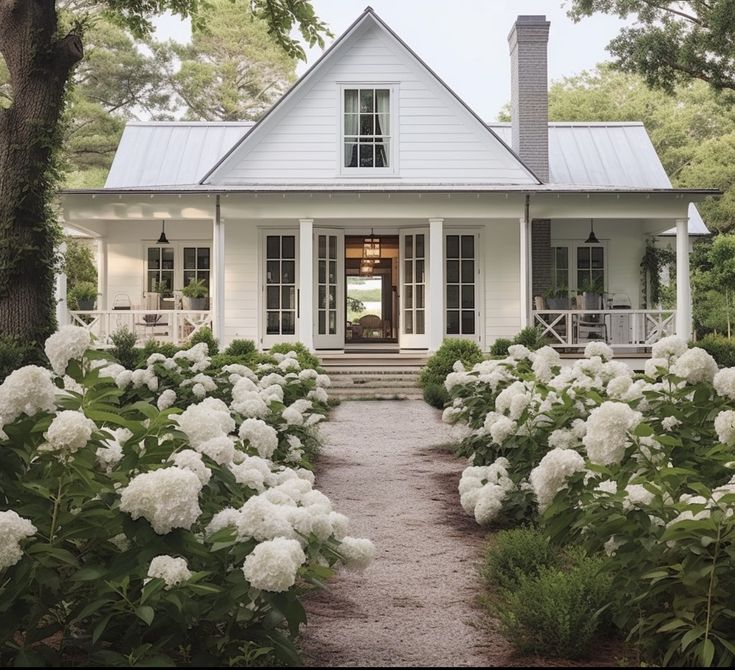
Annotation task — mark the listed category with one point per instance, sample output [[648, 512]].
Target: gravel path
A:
[[414, 605]]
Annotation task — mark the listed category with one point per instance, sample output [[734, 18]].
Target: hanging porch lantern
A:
[[592, 239], [371, 247], [366, 267]]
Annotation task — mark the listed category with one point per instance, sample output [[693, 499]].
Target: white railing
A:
[[173, 325], [624, 328]]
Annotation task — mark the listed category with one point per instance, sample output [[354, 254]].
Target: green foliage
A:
[[500, 347], [204, 335], [153, 346], [530, 337], [720, 348], [557, 611], [305, 358], [441, 363], [655, 260], [517, 554], [713, 284], [79, 265], [240, 348], [123, 340], [196, 288], [435, 395], [82, 291], [14, 353]]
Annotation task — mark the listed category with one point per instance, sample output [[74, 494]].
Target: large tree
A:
[[40, 51], [232, 70], [672, 42]]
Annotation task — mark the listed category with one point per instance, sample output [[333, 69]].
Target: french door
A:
[[280, 287], [414, 274], [329, 289], [462, 271]]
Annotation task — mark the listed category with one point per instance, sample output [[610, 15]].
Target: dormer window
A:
[[367, 129]]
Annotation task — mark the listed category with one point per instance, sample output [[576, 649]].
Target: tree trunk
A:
[[40, 64]]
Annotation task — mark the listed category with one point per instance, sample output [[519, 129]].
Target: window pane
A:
[[366, 155], [468, 296], [381, 153], [420, 296], [203, 258], [420, 246], [352, 124], [288, 323], [152, 282], [154, 258], [420, 322], [453, 322], [333, 246], [190, 258], [351, 100], [167, 258], [204, 276], [273, 246], [582, 278], [453, 297], [322, 246], [408, 298], [272, 300], [420, 278], [322, 298], [322, 272], [350, 154], [167, 283], [583, 258], [562, 257], [409, 272], [188, 276], [468, 272], [322, 322], [468, 322], [332, 272], [452, 246], [332, 297], [468, 246], [366, 124], [597, 257], [408, 250], [408, 322], [288, 297], [273, 272], [273, 323], [289, 246], [598, 278], [288, 268], [453, 272], [366, 100], [333, 323]]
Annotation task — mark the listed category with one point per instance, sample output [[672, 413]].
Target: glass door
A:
[[280, 288], [461, 271], [414, 269], [329, 287]]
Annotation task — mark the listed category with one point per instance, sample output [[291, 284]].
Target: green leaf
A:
[[707, 653], [643, 430], [671, 625], [99, 629], [146, 614]]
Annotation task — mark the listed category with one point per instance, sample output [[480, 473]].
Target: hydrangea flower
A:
[[274, 564], [358, 554], [173, 571], [68, 433], [607, 432], [695, 365], [551, 474], [13, 529], [28, 390], [66, 344], [599, 349], [262, 437], [188, 459], [725, 427]]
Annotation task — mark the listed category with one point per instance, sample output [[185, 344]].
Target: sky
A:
[[465, 41]]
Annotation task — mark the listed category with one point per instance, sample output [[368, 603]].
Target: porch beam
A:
[[218, 251], [306, 283], [683, 290], [435, 298]]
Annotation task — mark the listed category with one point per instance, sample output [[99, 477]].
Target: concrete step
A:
[[376, 394]]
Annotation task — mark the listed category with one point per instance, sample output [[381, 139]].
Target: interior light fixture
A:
[[371, 247]]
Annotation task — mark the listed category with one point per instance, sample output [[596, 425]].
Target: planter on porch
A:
[[195, 304], [558, 303]]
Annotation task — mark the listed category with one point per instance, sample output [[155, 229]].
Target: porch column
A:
[[524, 272], [683, 291], [435, 297], [62, 308], [306, 283], [218, 251], [102, 273]]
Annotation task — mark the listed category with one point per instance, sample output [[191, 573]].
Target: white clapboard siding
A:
[[439, 140], [241, 280], [502, 279]]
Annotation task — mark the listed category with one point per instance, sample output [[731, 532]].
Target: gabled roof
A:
[[368, 15], [171, 153]]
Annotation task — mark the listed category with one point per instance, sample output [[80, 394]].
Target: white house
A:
[[371, 166]]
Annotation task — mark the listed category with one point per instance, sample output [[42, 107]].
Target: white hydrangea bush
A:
[[173, 503], [636, 465]]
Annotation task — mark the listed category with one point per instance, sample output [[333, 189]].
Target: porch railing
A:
[[174, 326], [620, 328]]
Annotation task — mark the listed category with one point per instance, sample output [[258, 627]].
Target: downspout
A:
[[527, 278], [219, 275]]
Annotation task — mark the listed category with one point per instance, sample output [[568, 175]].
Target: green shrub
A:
[[500, 347], [205, 335], [530, 337], [436, 395], [720, 348], [220, 360], [123, 340], [557, 612], [240, 348], [441, 363], [517, 554], [14, 353], [305, 357], [154, 347]]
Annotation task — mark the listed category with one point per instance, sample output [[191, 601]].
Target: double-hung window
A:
[[367, 139]]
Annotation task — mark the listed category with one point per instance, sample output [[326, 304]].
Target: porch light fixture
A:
[[371, 247], [163, 239], [592, 239], [366, 267]]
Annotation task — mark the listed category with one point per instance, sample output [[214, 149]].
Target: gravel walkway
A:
[[414, 605]]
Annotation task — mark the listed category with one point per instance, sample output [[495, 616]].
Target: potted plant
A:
[[83, 295], [557, 298], [195, 294], [591, 291]]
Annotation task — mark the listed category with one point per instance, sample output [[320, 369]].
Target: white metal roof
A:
[[171, 153]]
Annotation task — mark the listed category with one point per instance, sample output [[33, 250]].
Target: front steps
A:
[[374, 376]]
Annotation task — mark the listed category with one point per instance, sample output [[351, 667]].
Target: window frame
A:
[[393, 136], [572, 269], [178, 247]]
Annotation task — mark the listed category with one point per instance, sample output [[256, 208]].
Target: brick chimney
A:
[[528, 40]]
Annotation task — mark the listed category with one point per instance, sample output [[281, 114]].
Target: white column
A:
[[524, 272], [306, 283], [62, 309], [683, 291], [101, 273], [435, 297], [218, 299]]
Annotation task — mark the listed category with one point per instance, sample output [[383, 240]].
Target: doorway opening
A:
[[371, 292]]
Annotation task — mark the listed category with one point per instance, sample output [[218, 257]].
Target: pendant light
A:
[[592, 239], [371, 247], [163, 239], [366, 267]]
